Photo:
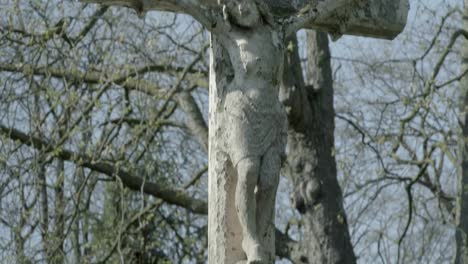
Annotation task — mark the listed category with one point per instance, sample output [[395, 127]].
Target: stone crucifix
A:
[[247, 123]]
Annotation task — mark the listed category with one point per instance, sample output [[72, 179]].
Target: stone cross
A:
[[374, 18], [247, 123]]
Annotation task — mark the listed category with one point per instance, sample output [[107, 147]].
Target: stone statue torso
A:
[[255, 119]]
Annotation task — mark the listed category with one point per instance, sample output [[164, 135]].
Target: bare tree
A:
[[310, 160]]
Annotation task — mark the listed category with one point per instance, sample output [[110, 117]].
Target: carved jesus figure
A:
[[254, 125]]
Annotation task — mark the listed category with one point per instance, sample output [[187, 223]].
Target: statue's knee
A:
[[248, 167]]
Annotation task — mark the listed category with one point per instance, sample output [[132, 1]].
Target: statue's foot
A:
[[256, 262], [251, 262], [256, 255]]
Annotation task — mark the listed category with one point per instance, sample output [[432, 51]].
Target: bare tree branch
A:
[[92, 77], [195, 8], [286, 246], [169, 194]]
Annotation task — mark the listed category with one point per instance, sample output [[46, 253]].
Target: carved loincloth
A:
[[250, 129]]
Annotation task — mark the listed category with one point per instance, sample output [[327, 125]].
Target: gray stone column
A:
[[224, 230]]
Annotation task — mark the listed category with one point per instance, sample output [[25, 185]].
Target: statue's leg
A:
[[248, 170], [266, 194]]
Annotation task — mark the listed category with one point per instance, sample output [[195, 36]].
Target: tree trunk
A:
[[311, 162], [59, 228], [42, 191], [58, 241], [76, 229], [42, 182], [461, 220]]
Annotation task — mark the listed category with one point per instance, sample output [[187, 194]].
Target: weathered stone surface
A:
[[371, 18], [247, 141], [224, 230]]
